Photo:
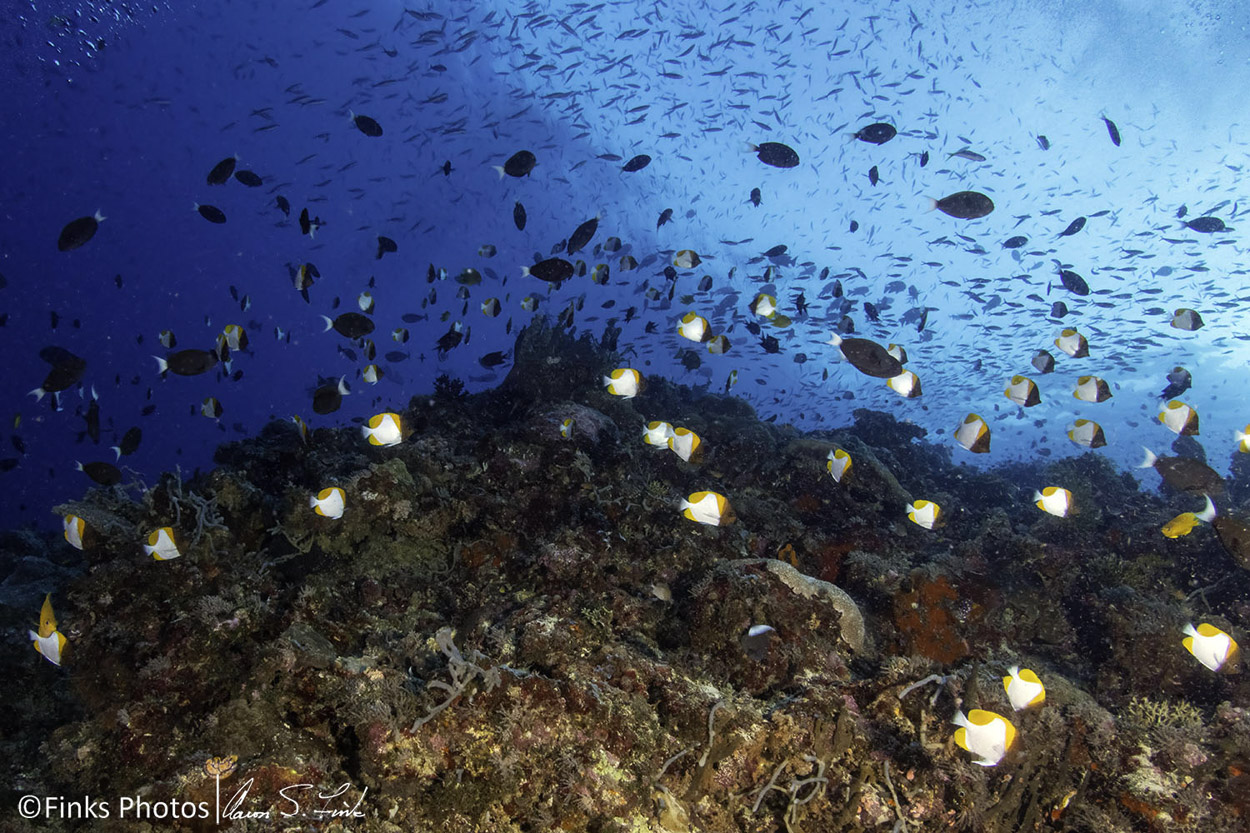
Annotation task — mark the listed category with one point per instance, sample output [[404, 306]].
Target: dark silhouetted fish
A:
[[637, 163], [776, 154], [249, 178], [385, 245], [367, 126], [964, 205], [582, 235], [1015, 242], [1073, 282], [211, 213], [1206, 225], [876, 134], [77, 232], [220, 174], [1073, 227], [519, 164], [1112, 131], [552, 270], [518, 216]]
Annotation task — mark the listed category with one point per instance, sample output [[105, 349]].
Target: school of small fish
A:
[[1015, 280]]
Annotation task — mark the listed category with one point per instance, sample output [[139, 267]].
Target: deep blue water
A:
[[125, 109]]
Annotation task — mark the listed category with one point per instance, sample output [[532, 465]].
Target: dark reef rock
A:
[[511, 629]]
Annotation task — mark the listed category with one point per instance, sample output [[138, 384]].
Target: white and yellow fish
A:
[[924, 513], [365, 301], [838, 464], [906, 384], [764, 305], [400, 334], [48, 640], [973, 434], [371, 374], [898, 352], [1243, 440], [161, 545], [1092, 389], [1023, 391], [1073, 343], [329, 502], [686, 444], [529, 303], [383, 429], [687, 259], [1211, 646], [1088, 433], [566, 427], [624, 382], [1055, 500], [1187, 319], [986, 735], [75, 529], [491, 307], [718, 345], [300, 426], [1023, 688], [1179, 418], [694, 327], [657, 434], [708, 508]]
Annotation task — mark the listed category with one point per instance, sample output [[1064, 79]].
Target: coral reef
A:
[[510, 629]]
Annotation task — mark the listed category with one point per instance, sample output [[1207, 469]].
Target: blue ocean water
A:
[[125, 109]]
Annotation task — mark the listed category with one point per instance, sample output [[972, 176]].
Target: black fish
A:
[[637, 163], [386, 244], [220, 174], [284, 205], [964, 205], [446, 168], [211, 213], [130, 441], [582, 235], [66, 370], [924, 159], [449, 340], [1206, 225], [1015, 242], [1179, 381], [665, 216], [552, 270], [870, 358], [755, 197], [92, 419], [350, 324], [77, 232], [518, 216], [1058, 309], [1181, 212], [249, 178], [776, 251], [1043, 142], [876, 134], [854, 227], [187, 362], [873, 176], [1112, 131], [770, 344], [870, 310], [328, 397], [776, 154], [1073, 282], [1073, 227], [493, 359], [367, 126], [106, 474], [519, 164]]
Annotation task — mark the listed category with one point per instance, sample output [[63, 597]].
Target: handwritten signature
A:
[[324, 805]]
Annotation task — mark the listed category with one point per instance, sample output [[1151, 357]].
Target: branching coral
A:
[[463, 672]]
